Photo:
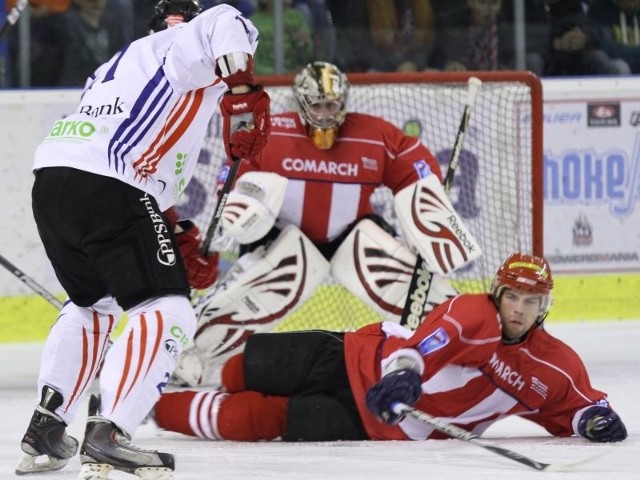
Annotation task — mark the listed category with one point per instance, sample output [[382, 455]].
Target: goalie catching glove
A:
[[202, 270], [253, 205], [246, 121]]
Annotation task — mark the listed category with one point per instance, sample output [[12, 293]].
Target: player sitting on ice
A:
[[304, 202], [475, 359]]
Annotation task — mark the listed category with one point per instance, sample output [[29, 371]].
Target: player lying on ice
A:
[[103, 176], [474, 359], [302, 209]]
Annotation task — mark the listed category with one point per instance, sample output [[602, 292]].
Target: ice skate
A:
[[46, 445], [106, 448]]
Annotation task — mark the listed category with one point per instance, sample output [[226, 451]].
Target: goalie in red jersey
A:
[[474, 359], [301, 210]]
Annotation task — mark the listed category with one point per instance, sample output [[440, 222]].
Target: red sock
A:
[[232, 375], [172, 412], [243, 416], [252, 416]]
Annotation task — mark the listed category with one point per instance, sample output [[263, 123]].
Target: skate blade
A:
[[34, 464], [100, 471], [94, 471], [154, 473]]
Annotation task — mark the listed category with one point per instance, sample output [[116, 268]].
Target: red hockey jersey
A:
[[471, 378], [329, 189]]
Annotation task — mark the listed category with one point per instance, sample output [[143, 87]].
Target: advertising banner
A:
[[592, 176]]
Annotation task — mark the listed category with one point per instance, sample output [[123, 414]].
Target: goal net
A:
[[496, 190]]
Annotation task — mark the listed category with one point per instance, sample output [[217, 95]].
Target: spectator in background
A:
[[319, 19], [402, 34], [471, 36], [298, 44], [141, 12], [574, 48], [618, 29], [118, 15], [537, 34], [353, 49], [67, 47]]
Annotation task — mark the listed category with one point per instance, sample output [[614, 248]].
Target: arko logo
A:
[[72, 128]]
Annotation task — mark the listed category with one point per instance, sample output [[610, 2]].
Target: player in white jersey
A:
[[103, 177]]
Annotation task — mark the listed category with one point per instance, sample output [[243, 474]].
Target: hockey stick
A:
[[222, 200], [466, 436], [31, 283], [421, 277], [12, 17]]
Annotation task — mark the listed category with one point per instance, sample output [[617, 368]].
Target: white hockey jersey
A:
[[143, 114]]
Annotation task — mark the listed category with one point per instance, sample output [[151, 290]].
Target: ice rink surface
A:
[[611, 351]]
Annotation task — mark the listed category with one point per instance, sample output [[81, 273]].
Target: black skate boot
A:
[[46, 436], [106, 447]]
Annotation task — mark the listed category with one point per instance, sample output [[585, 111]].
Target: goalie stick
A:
[[12, 18], [31, 283], [469, 437], [222, 200], [420, 268]]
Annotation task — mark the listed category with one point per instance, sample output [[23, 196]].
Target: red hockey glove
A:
[[202, 270], [246, 122]]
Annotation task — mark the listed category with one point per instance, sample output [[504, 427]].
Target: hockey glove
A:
[[398, 386], [246, 122], [601, 424], [202, 270]]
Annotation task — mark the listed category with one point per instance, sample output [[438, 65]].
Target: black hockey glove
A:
[[601, 424], [402, 386]]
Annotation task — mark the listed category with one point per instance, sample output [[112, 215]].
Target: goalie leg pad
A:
[[433, 228], [378, 269], [257, 293], [375, 267]]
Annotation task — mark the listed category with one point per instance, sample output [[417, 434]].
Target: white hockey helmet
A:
[[321, 90]]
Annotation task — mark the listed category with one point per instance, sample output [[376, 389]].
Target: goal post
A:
[[497, 189]]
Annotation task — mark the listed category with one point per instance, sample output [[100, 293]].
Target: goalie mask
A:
[[167, 13], [526, 273], [321, 91]]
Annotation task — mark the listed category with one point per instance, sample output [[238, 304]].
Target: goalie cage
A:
[[497, 187]]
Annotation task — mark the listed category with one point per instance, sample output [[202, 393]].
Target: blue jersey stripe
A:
[[153, 90]]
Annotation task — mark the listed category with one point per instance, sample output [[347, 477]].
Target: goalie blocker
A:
[[433, 228]]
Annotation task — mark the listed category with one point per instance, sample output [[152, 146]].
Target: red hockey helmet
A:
[[526, 273]]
